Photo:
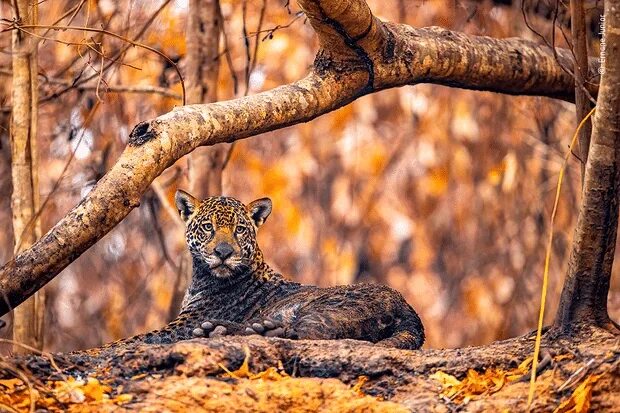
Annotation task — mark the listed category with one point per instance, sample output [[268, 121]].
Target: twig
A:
[[34, 350], [16, 7], [544, 363], [109, 88], [272, 30], [246, 45], [577, 375], [118, 55], [249, 68], [72, 11], [100, 79], [135, 89], [170, 210], [229, 62], [552, 47], [229, 153], [160, 235], [109, 33], [261, 18]]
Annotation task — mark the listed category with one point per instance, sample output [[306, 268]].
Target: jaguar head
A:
[[221, 233]]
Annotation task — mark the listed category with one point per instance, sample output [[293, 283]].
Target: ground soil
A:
[[582, 371]]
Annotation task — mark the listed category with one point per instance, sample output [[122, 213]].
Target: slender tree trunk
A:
[[28, 317], [203, 66], [584, 297], [580, 68], [205, 165]]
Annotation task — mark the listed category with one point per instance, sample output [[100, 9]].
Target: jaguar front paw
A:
[[267, 328], [212, 329]]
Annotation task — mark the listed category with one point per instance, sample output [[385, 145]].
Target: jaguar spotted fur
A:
[[234, 292]]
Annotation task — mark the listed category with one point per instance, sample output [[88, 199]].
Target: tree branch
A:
[[359, 55], [146, 89]]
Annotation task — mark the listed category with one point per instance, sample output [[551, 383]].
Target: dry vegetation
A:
[[266, 374]]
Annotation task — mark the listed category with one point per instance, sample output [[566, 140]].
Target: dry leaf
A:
[[445, 379], [579, 401], [243, 371], [474, 384], [10, 384], [357, 388]]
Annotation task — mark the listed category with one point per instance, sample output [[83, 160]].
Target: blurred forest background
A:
[[443, 194]]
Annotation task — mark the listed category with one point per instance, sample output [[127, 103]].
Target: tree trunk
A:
[[359, 55], [28, 317], [204, 165], [584, 296], [203, 66], [580, 69]]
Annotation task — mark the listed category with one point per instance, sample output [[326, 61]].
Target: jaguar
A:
[[233, 291]]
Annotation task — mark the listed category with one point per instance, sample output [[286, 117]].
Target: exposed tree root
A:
[[315, 375], [577, 328]]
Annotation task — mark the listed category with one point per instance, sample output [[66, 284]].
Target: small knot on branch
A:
[[141, 134]]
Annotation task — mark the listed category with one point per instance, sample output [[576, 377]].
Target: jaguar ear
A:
[[259, 210], [186, 204]]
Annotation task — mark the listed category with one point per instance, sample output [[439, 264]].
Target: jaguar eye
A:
[[240, 229], [209, 226]]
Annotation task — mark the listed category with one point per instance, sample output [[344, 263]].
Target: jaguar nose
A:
[[223, 250]]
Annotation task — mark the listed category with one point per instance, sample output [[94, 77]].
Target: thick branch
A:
[[511, 66], [395, 55], [384, 56], [347, 30], [153, 147]]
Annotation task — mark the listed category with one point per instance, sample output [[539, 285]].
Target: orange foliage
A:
[[56, 396]]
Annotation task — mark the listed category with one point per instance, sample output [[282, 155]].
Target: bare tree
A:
[[359, 54], [27, 318], [584, 297]]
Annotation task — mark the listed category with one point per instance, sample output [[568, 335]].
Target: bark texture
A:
[[580, 69], [584, 296], [28, 317], [359, 55], [203, 66]]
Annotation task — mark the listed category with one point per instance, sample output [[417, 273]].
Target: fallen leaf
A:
[[473, 385], [579, 401], [357, 388], [10, 384], [445, 379], [243, 371]]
